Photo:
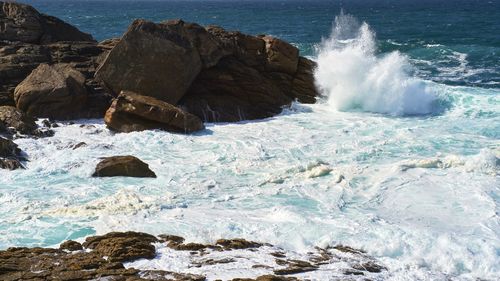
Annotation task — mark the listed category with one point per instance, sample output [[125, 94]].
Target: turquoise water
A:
[[400, 157]]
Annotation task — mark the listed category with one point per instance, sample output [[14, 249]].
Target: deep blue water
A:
[[451, 42]]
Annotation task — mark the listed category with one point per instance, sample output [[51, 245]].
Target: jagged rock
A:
[[124, 166], [158, 60], [10, 155], [132, 112], [20, 22], [232, 91], [303, 88], [281, 56], [71, 246], [123, 246], [56, 91], [12, 117]]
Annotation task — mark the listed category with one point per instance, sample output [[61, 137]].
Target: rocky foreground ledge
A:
[[113, 257]]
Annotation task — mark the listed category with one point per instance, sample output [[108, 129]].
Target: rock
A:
[[232, 91], [71, 246], [10, 155], [171, 238], [229, 244], [56, 91], [132, 112], [281, 56], [369, 266], [125, 166], [20, 22], [14, 118], [123, 246], [155, 59], [296, 266], [303, 87]]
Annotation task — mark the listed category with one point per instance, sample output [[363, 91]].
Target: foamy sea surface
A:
[[395, 159]]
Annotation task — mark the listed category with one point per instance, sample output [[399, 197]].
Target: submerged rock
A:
[[52, 91], [124, 166], [132, 112]]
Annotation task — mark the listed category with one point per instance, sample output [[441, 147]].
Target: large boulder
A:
[[20, 22], [133, 112], [52, 91], [156, 59], [123, 166], [233, 91]]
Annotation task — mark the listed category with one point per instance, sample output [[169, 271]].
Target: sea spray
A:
[[352, 77]]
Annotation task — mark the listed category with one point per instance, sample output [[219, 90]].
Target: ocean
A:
[[400, 156]]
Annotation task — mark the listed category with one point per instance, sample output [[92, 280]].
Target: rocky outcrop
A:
[[132, 112], [10, 155], [215, 74], [102, 258], [19, 22], [52, 91], [124, 166], [28, 38]]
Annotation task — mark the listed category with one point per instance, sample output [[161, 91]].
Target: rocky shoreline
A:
[[170, 76], [121, 256]]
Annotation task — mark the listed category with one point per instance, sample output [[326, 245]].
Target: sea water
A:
[[399, 157]]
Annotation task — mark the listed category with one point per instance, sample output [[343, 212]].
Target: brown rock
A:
[[232, 91], [8, 149], [56, 91], [16, 119], [228, 244], [71, 245], [20, 22], [123, 246], [132, 112], [125, 166], [156, 59], [303, 87], [281, 56]]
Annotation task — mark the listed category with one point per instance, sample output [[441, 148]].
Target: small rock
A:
[[125, 166], [71, 246]]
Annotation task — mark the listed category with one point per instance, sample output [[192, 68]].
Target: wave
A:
[[352, 77]]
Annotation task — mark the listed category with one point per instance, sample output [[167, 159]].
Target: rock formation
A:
[[132, 112], [124, 166], [56, 91], [213, 73], [102, 257], [10, 155]]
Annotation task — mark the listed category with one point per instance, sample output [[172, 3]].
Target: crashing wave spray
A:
[[352, 77]]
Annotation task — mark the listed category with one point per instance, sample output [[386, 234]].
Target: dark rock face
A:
[[57, 91], [11, 117], [10, 155], [19, 22], [124, 166], [232, 91], [132, 112], [156, 59]]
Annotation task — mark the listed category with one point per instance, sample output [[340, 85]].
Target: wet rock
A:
[[10, 164], [369, 266], [294, 267], [303, 86], [158, 60], [14, 118], [20, 22], [232, 91], [171, 238], [71, 246], [123, 246], [56, 91], [125, 166], [10, 155], [133, 112], [229, 244], [79, 145]]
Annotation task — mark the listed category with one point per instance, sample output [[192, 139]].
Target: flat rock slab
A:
[[124, 166]]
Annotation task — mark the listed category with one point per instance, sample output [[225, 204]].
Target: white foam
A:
[[352, 77]]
